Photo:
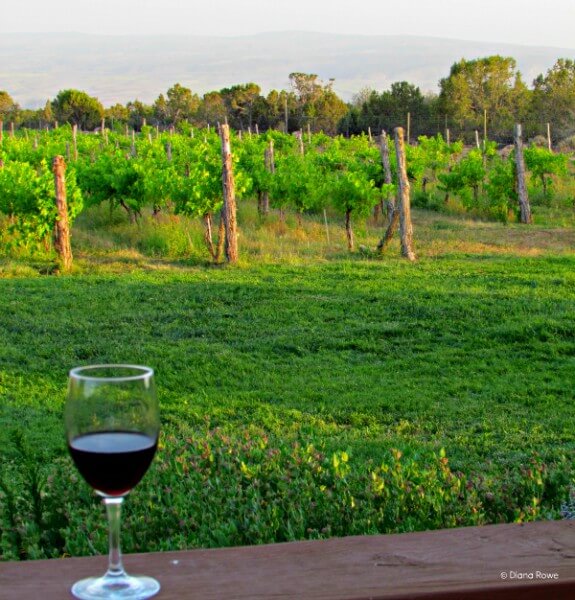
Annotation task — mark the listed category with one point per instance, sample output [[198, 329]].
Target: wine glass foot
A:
[[115, 588]]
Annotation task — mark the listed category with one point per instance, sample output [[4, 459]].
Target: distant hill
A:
[[34, 67]]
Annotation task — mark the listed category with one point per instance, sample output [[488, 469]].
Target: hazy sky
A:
[[532, 22]]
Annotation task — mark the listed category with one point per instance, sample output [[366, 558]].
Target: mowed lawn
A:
[[470, 353], [475, 355]]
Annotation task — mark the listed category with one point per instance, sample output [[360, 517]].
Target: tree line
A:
[[486, 95]]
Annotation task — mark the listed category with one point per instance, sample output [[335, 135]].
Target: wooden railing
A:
[[535, 561]]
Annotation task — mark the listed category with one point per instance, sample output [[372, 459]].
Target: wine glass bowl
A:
[[112, 427]]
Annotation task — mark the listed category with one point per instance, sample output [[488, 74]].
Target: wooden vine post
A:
[[392, 208], [229, 208], [524, 207], [404, 204], [62, 227], [75, 140], [269, 161], [408, 128], [1, 132]]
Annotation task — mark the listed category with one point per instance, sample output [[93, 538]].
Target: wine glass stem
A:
[[114, 510]]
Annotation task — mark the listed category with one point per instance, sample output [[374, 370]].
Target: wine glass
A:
[[112, 426]]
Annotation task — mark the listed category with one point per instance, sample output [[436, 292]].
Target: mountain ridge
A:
[[119, 68]]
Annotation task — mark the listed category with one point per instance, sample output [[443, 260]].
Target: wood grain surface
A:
[[452, 564]]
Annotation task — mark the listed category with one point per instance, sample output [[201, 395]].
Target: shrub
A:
[[214, 489]]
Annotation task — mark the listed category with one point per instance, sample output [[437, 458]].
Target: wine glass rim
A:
[[79, 373]]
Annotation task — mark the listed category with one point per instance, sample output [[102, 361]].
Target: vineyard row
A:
[[198, 175]]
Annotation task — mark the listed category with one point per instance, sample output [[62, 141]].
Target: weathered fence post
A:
[[549, 145], [349, 230], [392, 209], [269, 161], [229, 208], [408, 128], [62, 227], [326, 226], [286, 114], [12, 129], [75, 140], [524, 207], [1, 132], [404, 203]]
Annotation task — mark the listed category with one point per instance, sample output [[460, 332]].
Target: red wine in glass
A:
[[113, 462], [112, 427]]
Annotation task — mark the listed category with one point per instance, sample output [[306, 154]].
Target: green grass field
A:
[[294, 377]]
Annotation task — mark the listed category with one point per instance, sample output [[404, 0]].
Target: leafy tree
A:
[[8, 108], [160, 110], [554, 98], [240, 102], [489, 84], [330, 110], [34, 119], [118, 113], [212, 109], [137, 113], [46, 114], [317, 105], [182, 104], [389, 110], [78, 108], [275, 110]]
